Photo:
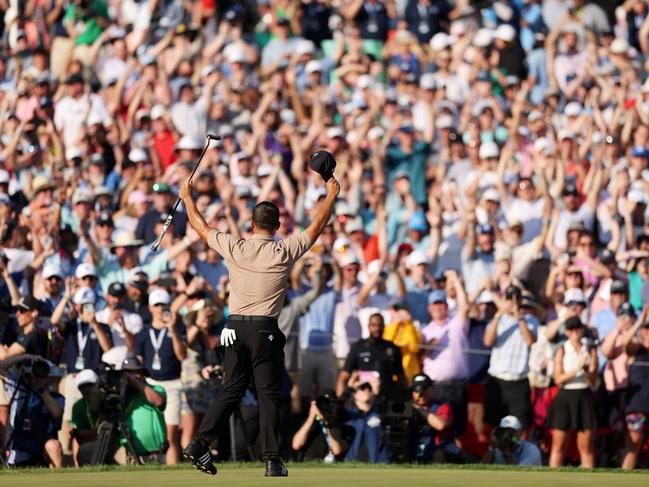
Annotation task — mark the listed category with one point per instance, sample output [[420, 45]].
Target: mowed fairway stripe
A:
[[338, 476]]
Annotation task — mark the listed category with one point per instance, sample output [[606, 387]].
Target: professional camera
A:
[[328, 405], [589, 339], [106, 400]]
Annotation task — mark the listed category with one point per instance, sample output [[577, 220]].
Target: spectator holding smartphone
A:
[[161, 347], [510, 334], [85, 340]]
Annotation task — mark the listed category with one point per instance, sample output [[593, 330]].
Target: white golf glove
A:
[[228, 337]]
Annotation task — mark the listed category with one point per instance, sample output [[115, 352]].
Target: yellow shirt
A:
[[407, 337]]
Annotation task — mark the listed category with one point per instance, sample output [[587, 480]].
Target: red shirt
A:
[[165, 145]]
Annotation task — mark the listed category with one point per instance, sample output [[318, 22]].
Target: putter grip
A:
[[156, 244]]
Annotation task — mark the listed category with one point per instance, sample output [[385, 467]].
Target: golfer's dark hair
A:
[[266, 216]]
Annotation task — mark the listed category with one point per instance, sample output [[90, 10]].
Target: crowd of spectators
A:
[[486, 267]]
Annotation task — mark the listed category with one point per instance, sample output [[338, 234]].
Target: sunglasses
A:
[[54, 278]]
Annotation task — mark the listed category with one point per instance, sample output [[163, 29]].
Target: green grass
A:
[[317, 474]]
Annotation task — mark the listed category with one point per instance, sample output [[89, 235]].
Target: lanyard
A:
[[82, 339], [156, 341]]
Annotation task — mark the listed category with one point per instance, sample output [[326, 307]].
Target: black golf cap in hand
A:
[[323, 163]]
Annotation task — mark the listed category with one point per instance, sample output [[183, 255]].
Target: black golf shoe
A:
[[275, 468], [198, 454]]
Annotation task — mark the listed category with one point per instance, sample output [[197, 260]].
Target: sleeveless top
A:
[[570, 361], [637, 398]]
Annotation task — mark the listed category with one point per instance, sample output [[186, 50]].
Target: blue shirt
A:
[[317, 324], [368, 431], [30, 422], [526, 454], [169, 363], [510, 354], [604, 322], [417, 301], [537, 67], [92, 351]]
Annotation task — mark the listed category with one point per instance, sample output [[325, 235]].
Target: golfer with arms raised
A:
[[259, 270]]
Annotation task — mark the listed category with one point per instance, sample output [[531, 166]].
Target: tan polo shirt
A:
[[259, 270]]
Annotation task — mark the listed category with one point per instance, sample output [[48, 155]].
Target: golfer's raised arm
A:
[[324, 213], [194, 216]]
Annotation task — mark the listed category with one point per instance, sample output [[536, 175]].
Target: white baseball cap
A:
[[488, 149], [86, 376], [138, 155], [304, 47], [573, 109], [574, 295], [440, 41], [348, 258], [427, 81], [313, 66], [84, 295], [444, 122], [84, 270], [511, 422], [416, 258], [485, 297], [159, 296], [52, 269], [483, 38], [158, 111], [505, 32]]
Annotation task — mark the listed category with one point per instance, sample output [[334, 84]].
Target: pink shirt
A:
[[616, 371], [448, 361]]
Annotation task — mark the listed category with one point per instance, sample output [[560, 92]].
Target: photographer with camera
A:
[[31, 340], [508, 448], [161, 347], [139, 409], [431, 426], [573, 408], [321, 436], [35, 412], [84, 423], [85, 340], [370, 441]]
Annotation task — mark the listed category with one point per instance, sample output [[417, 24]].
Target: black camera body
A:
[[107, 399], [329, 406]]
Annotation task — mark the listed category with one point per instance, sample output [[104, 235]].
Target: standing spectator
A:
[[446, 363], [372, 357], [636, 347], [510, 334], [161, 347], [573, 409]]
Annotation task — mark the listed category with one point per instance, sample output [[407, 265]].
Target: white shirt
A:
[[133, 324], [530, 213], [70, 115], [189, 119]]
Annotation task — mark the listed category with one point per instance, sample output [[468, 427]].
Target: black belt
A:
[[268, 320]]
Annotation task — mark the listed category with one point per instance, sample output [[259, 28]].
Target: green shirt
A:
[[146, 422], [88, 29], [414, 163], [82, 418]]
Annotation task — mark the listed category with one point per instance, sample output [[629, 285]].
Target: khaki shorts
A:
[[174, 390], [4, 397]]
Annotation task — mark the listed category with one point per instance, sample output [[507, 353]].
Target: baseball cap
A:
[[104, 218], [138, 155], [574, 295], [503, 253], [86, 376], [354, 225], [485, 297], [117, 289], [491, 194], [52, 269], [618, 286], [313, 66], [420, 382], [28, 303], [626, 309], [437, 296], [161, 188], [85, 270], [511, 422], [505, 32], [84, 295], [639, 151], [572, 109], [81, 196], [158, 111], [570, 189], [607, 256], [416, 258], [159, 296], [348, 258], [417, 222], [485, 228], [488, 150]]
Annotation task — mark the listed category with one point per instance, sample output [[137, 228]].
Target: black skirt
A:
[[573, 409]]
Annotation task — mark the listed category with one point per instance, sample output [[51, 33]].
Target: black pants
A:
[[258, 352], [505, 397]]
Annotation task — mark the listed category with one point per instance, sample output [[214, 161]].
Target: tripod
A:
[[107, 436]]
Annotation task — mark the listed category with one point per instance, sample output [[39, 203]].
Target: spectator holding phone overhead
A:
[[85, 340], [511, 333], [161, 347]]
